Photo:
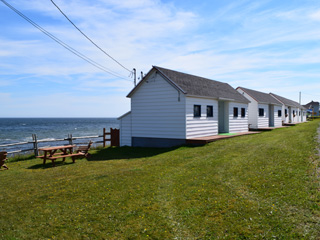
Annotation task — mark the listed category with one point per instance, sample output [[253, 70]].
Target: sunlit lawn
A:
[[262, 186]]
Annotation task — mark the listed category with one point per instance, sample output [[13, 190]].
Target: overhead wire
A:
[[88, 37], [66, 46]]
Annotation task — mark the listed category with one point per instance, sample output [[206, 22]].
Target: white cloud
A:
[[315, 15], [243, 43], [68, 104], [120, 86], [5, 97], [148, 25]]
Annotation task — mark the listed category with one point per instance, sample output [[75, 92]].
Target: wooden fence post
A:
[[104, 137], [35, 145], [115, 138], [70, 139]]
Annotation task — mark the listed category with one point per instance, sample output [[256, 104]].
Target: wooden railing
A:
[[113, 139]]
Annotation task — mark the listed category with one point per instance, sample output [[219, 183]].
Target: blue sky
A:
[[266, 45]]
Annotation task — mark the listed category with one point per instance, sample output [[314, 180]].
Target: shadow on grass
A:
[[49, 165], [113, 153], [20, 158]]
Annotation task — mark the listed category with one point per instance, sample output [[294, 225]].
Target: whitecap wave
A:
[[48, 139], [27, 139]]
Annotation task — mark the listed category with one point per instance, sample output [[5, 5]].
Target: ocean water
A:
[[14, 130]]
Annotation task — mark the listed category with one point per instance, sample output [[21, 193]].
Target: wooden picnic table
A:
[[53, 153]]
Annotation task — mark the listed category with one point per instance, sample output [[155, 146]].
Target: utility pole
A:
[[135, 76]]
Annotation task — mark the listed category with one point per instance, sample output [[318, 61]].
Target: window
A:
[[293, 112], [243, 112], [261, 112], [235, 112], [209, 111], [279, 113], [197, 110], [286, 111], [299, 113]]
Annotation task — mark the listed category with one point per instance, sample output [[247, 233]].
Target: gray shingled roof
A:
[[311, 104], [198, 86], [287, 101], [261, 97]]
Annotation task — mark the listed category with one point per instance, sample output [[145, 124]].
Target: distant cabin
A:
[[264, 110], [293, 111], [313, 108], [169, 107]]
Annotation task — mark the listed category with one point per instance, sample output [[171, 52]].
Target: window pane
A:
[[243, 112], [279, 113], [209, 111], [197, 110], [261, 112], [235, 112]]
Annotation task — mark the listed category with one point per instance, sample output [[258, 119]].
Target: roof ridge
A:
[[167, 69], [261, 97]]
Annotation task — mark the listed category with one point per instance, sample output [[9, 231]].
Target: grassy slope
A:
[[260, 186]]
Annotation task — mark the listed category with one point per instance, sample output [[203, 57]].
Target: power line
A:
[[66, 46], [88, 37]]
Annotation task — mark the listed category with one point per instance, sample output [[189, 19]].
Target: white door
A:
[[223, 120], [271, 116]]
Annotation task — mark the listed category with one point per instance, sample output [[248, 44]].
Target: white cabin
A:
[[264, 110], [293, 111], [169, 107]]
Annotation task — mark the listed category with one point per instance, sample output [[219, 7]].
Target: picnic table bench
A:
[[52, 153]]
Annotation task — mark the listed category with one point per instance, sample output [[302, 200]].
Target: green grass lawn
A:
[[263, 186]]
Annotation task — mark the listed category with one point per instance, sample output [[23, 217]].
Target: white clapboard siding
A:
[[297, 118], [201, 126], [290, 113], [238, 124], [285, 118], [304, 116], [299, 114], [263, 121], [252, 109], [294, 116], [277, 119], [125, 130], [158, 110]]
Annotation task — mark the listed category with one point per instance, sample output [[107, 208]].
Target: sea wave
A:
[[27, 139], [16, 130], [47, 139]]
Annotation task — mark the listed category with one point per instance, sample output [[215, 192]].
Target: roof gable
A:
[[145, 79], [261, 97], [197, 86]]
